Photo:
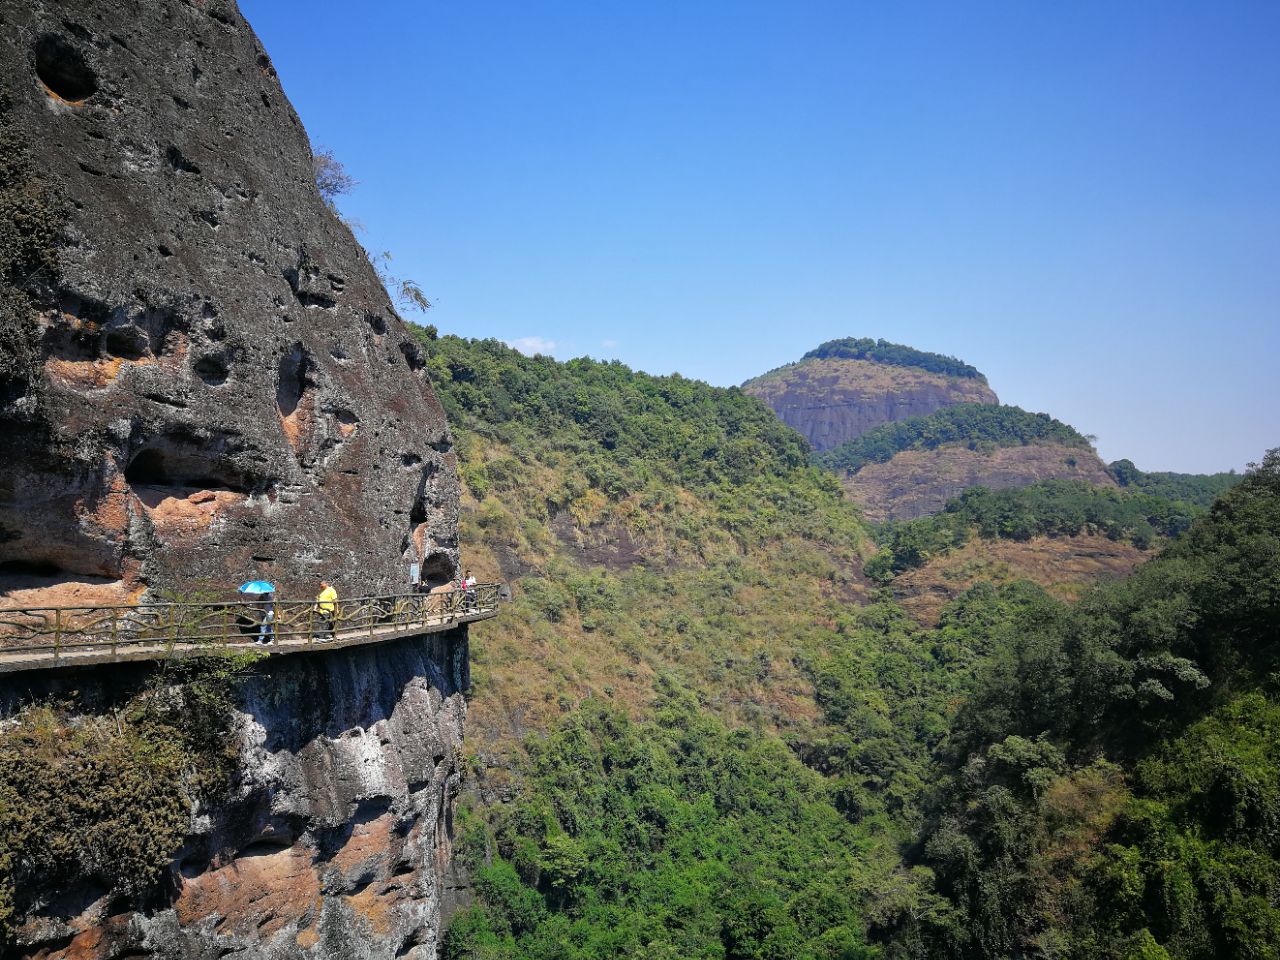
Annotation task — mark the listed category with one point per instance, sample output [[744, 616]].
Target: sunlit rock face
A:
[[223, 390], [208, 384], [832, 401], [335, 840]]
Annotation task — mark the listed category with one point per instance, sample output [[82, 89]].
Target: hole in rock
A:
[[437, 570], [412, 355], [377, 323], [179, 162], [27, 568], [176, 468], [213, 370], [42, 582], [62, 69], [193, 867], [294, 379], [128, 343], [265, 847]]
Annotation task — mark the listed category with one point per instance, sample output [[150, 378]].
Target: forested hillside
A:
[[1200, 489], [702, 732], [1112, 786], [971, 423], [1053, 508]]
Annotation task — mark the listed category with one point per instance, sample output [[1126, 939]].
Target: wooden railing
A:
[[159, 629]]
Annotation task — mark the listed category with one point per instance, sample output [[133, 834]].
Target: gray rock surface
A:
[[224, 390], [207, 383], [337, 839]]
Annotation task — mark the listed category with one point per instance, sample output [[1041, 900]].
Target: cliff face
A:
[[919, 482], [220, 388], [204, 382], [833, 401], [336, 839]]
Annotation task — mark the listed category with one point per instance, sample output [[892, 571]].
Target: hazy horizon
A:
[[1082, 202]]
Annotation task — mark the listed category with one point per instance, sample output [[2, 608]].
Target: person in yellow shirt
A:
[[327, 607]]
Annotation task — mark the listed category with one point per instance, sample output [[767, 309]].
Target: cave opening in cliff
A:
[[62, 69], [183, 468], [438, 570]]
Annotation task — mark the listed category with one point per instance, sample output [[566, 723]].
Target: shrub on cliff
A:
[[105, 797]]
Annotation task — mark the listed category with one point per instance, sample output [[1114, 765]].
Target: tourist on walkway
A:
[[327, 607], [469, 585], [267, 619]]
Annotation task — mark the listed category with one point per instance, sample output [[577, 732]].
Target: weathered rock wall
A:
[[222, 388], [915, 483], [204, 382], [336, 840], [833, 401]]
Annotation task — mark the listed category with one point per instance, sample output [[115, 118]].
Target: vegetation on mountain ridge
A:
[[895, 354], [868, 351], [1200, 489], [1112, 785], [973, 423], [1048, 508]]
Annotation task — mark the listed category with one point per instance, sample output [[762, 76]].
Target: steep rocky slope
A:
[[202, 380], [915, 483], [834, 400], [218, 387], [333, 841]]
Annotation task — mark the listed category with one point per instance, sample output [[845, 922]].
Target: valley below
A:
[[852, 661]]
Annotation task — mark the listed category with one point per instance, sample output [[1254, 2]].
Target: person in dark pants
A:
[[267, 619], [327, 607]]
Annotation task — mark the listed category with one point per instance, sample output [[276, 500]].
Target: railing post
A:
[[311, 633], [57, 634], [115, 630]]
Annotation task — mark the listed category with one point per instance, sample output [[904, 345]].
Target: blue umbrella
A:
[[258, 586]]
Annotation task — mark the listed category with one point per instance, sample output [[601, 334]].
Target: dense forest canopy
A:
[[1052, 508], [975, 424], [1112, 786], [895, 354], [1197, 488]]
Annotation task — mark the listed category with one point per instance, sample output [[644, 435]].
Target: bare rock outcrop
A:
[[220, 386], [336, 839], [832, 401], [915, 483], [202, 381]]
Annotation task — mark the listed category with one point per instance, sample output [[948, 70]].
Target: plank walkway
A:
[[58, 638]]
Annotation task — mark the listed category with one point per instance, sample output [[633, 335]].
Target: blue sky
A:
[[1082, 200]]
